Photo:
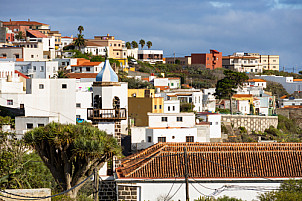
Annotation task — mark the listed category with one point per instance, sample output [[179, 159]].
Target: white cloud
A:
[[219, 4], [279, 5]]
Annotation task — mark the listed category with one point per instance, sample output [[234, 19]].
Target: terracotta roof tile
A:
[[24, 23], [297, 80], [162, 87], [242, 95], [37, 34], [215, 160], [256, 80], [21, 74], [88, 64], [81, 75]]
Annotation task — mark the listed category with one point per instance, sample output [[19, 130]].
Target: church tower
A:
[[110, 103]]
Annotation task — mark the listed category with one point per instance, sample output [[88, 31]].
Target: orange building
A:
[[210, 60]]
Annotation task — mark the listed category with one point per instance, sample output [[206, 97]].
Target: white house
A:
[[150, 56], [37, 69], [209, 100], [289, 83], [171, 106], [87, 67], [239, 170], [83, 99], [193, 96], [95, 49], [165, 127], [170, 82], [215, 123], [65, 41], [256, 83]]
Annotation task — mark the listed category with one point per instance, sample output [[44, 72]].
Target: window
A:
[[34, 68], [41, 86], [179, 119], [17, 56], [29, 126], [78, 116], [63, 63], [41, 68], [168, 108], [114, 45], [87, 69], [218, 122], [78, 105], [161, 139], [10, 102], [160, 107], [172, 84], [64, 86], [32, 56], [149, 139], [189, 138], [164, 119], [40, 125], [155, 107], [3, 55], [117, 53]]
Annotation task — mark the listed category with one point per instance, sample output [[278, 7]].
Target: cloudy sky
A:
[[183, 27]]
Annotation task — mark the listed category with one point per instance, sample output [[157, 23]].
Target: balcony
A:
[[106, 114]]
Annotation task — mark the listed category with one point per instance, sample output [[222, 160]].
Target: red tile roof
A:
[[215, 160], [242, 95], [21, 74], [37, 34], [162, 87], [81, 75], [88, 64], [297, 80], [24, 23], [256, 80]]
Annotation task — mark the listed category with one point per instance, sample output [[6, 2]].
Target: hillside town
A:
[[198, 127]]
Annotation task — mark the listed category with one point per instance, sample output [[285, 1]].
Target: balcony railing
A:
[[106, 114]]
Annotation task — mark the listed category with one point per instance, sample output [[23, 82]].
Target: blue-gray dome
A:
[[107, 74]]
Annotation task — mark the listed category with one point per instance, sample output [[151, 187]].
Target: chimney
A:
[[10, 20], [108, 34]]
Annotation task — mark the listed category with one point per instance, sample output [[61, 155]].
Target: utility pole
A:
[[186, 174], [174, 57], [96, 184]]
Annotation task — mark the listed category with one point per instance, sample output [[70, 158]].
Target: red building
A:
[[210, 60]]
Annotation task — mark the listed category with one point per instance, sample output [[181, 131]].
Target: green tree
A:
[[80, 41], [72, 152], [134, 44], [149, 44], [20, 169], [289, 190], [128, 45], [61, 74], [186, 107], [19, 35], [80, 29], [225, 88], [142, 43]]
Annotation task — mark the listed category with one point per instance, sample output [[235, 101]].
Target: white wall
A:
[[52, 100], [161, 82], [7, 68], [174, 83], [84, 98], [171, 106], [197, 101], [215, 124], [107, 126], [155, 120], [156, 190]]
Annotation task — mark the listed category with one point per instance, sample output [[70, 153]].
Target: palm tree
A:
[[149, 44], [19, 35], [80, 29], [80, 41], [134, 44], [142, 43], [128, 45]]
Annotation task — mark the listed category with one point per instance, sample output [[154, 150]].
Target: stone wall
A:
[[292, 113], [127, 193], [250, 122], [107, 191], [41, 192]]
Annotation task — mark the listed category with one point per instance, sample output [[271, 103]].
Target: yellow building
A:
[[117, 48], [248, 97], [141, 93], [270, 62], [138, 107]]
